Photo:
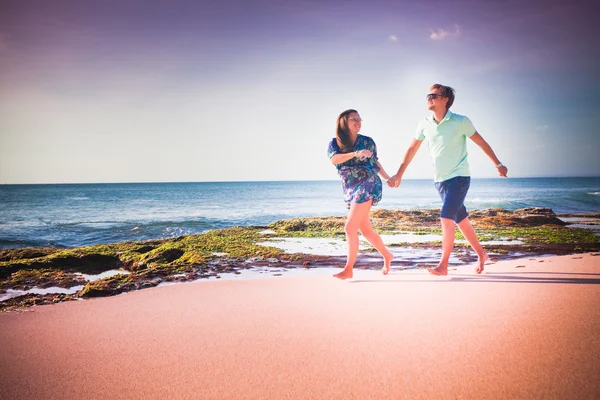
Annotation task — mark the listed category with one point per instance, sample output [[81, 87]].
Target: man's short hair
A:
[[445, 91]]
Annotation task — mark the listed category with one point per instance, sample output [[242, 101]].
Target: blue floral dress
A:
[[360, 181]]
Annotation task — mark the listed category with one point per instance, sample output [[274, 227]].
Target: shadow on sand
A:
[[493, 277]]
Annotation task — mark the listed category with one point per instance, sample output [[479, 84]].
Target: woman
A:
[[355, 157]]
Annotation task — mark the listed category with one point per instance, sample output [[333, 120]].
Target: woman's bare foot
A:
[[387, 263], [345, 274], [440, 270], [480, 262]]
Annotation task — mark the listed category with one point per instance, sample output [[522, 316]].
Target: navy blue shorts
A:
[[453, 193]]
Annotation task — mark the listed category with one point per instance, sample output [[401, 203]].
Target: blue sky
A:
[[142, 91]]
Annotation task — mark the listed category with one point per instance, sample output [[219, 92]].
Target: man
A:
[[446, 135]]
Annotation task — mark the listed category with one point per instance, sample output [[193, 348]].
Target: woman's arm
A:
[[343, 157], [382, 174]]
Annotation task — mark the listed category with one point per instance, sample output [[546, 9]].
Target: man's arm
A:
[[487, 149], [395, 180]]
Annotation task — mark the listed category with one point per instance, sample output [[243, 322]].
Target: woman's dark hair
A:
[[342, 133]]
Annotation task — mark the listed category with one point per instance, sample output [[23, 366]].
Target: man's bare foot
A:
[[345, 274], [480, 263], [438, 271], [387, 263]]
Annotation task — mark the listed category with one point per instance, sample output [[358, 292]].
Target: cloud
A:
[[440, 34], [542, 127], [393, 38]]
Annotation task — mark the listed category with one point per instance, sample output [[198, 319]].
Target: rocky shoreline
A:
[[536, 231]]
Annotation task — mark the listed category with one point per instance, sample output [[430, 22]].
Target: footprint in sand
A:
[[577, 258], [520, 266]]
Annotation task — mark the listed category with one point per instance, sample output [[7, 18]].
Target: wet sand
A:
[[527, 328]]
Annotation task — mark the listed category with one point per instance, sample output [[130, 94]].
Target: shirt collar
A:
[[448, 115]]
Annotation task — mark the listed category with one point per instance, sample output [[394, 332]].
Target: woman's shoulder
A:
[[366, 138]]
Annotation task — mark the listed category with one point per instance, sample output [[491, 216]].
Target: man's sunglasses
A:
[[432, 96]]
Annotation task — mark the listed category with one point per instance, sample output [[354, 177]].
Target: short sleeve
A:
[[419, 135], [468, 128], [374, 146], [333, 148]]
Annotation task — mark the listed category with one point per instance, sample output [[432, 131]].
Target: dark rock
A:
[[25, 254], [89, 263], [535, 211], [144, 249], [166, 256]]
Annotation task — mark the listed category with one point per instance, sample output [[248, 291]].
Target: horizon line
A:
[[282, 181]]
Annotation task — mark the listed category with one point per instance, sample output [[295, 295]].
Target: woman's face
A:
[[354, 123]]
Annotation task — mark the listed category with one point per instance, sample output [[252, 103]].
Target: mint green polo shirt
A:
[[447, 144]]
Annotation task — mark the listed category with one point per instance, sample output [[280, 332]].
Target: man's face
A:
[[435, 101]]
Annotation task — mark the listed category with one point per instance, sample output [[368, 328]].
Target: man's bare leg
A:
[[447, 245], [469, 233]]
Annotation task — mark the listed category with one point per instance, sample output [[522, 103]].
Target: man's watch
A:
[[499, 165]]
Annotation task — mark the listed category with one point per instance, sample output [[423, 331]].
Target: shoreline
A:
[[44, 275], [526, 328]]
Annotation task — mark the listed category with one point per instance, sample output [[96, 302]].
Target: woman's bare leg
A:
[[356, 216], [373, 237]]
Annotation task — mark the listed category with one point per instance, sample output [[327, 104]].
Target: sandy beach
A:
[[526, 329]]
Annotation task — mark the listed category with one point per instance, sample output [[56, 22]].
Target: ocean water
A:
[[71, 215]]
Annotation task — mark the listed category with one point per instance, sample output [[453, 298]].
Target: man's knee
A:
[[447, 224], [461, 214], [455, 212]]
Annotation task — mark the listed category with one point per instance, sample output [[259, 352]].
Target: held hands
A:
[[394, 181]]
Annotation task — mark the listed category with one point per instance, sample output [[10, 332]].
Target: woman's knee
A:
[[358, 216], [351, 227], [366, 229]]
